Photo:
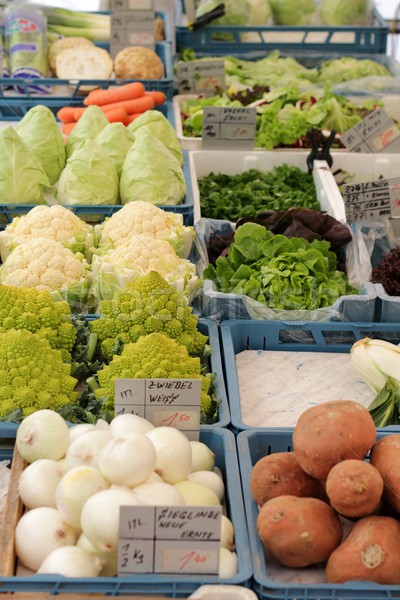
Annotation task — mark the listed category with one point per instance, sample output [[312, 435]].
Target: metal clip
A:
[[316, 153]]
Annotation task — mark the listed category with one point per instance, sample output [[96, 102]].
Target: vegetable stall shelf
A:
[[352, 39], [270, 581], [222, 443], [331, 337]]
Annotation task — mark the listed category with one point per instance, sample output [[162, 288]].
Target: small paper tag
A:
[[200, 77], [230, 128], [117, 5], [131, 28], [376, 133], [169, 539], [164, 402], [372, 199]]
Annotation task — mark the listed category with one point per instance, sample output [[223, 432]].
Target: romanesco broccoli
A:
[[146, 306], [152, 356], [32, 374], [27, 308]]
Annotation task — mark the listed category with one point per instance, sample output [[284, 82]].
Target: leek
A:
[[93, 26]]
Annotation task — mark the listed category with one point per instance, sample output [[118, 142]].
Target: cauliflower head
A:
[[37, 312], [144, 218], [32, 374], [152, 356], [146, 306]]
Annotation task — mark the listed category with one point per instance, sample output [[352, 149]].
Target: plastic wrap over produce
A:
[[221, 306]]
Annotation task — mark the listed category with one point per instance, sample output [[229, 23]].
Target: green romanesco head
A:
[[149, 305], [37, 312], [32, 374]]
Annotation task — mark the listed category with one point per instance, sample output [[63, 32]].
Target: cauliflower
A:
[[153, 356], [138, 62], [141, 254], [37, 312], [46, 265], [146, 306], [32, 374], [144, 218], [52, 222]]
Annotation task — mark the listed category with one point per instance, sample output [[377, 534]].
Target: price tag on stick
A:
[[376, 133], [132, 24], [372, 199], [229, 128], [197, 76]]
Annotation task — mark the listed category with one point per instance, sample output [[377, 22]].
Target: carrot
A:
[[115, 94], [118, 115], [131, 106], [78, 112], [68, 127], [66, 114], [131, 118], [158, 97]]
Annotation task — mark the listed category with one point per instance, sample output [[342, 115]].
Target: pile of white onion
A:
[[78, 478]]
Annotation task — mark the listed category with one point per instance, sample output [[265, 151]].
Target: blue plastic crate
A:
[[352, 39], [238, 335], [253, 445], [99, 213], [222, 443], [388, 307], [64, 90]]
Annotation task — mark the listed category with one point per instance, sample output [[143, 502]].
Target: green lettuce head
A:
[[293, 12], [154, 123], [260, 12], [42, 136], [347, 68], [236, 11], [345, 12], [22, 177], [150, 173], [89, 177], [88, 127], [116, 140]]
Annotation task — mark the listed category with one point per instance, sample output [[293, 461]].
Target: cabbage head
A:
[[151, 174], [237, 12], [88, 127], [293, 12], [345, 12], [89, 177], [154, 123], [22, 177], [260, 12], [116, 140], [41, 135]]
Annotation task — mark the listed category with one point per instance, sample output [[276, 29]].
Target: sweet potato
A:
[[385, 457], [280, 475], [299, 531], [331, 432], [370, 552], [354, 488]]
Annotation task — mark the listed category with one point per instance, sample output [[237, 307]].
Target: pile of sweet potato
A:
[[302, 493]]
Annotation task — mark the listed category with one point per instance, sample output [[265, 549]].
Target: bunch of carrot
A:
[[122, 104]]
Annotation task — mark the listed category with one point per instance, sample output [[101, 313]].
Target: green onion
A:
[[95, 27]]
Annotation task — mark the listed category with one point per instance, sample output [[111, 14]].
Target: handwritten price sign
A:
[[372, 199], [376, 133], [223, 125]]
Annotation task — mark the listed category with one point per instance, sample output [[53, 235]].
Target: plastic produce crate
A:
[[388, 306], [222, 443], [253, 445], [238, 336], [351, 38]]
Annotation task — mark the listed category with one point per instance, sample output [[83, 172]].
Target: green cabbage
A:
[[154, 123], [116, 140], [345, 12], [293, 12], [238, 12], [89, 177], [22, 178], [88, 127], [41, 135], [260, 12], [150, 173]]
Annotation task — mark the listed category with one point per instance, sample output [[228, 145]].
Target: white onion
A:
[[39, 532], [128, 460], [102, 425], [174, 454], [128, 423], [211, 479], [203, 459], [77, 430], [228, 564], [38, 482], [154, 478], [43, 434], [74, 489], [110, 560], [72, 561], [197, 494], [159, 494], [227, 533], [85, 450], [100, 517]]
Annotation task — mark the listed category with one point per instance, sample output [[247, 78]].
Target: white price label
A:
[[376, 133], [223, 125], [372, 199]]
